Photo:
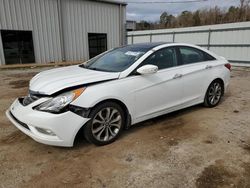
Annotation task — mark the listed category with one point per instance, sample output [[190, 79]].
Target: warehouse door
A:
[[97, 43], [17, 47]]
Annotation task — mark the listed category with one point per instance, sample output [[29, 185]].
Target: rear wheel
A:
[[106, 124], [214, 93]]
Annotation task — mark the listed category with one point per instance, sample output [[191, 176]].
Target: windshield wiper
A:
[[90, 68], [82, 65], [93, 68]]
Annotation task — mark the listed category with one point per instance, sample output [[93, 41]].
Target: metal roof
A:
[[112, 2]]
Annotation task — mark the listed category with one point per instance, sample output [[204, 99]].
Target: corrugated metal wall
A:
[[60, 27], [82, 17], [229, 40], [39, 16]]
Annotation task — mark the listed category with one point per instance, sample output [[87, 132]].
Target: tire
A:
[[105, 125], [214, 94]]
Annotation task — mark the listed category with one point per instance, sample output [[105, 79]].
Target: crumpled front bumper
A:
[[62, 127]]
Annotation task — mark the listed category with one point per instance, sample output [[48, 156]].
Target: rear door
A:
[[196, 71]]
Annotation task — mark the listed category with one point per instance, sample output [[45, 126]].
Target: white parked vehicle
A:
[[117, 89]]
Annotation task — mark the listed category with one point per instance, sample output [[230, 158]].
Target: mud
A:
[[194, 147], [215, 176], [19, 84], [13, 138], [245, 180]]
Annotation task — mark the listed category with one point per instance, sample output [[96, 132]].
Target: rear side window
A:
[[163, 58], [191, 55], [208, 57]]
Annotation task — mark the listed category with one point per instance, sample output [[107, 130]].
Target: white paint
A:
[[145, 96]]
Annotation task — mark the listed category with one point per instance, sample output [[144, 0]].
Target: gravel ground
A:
[[195, 147]]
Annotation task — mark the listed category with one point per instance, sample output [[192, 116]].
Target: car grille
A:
[[19, 122]]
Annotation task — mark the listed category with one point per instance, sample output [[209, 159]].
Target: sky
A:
[[152, 11]]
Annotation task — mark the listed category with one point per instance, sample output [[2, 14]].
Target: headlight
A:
[[59, 102]]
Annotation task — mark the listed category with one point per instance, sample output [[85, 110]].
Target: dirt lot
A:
[[195, 147]]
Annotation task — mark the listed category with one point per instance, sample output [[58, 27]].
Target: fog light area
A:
[[45, 131]]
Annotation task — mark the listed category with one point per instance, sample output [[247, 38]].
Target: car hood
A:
[[51, 81]]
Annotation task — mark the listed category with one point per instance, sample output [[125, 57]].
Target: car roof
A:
[[148, 46]]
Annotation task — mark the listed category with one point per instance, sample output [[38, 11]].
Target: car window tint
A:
[[208, 57], [116, 60], [163, 58], [191, 55]]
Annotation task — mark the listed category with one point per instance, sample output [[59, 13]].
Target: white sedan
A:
[[117, 89]]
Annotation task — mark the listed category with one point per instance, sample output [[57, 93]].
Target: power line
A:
[[166, 2]]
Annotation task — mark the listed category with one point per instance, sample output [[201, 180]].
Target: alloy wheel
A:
[[214, 93], [106, 124]]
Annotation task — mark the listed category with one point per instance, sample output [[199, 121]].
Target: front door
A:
[[18, 47], [162, 91]]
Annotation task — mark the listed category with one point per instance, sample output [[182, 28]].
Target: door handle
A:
[[177, 76], [208, 67]]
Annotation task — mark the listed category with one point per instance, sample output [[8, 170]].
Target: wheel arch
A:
[[122, 105], [223, 88], [222, 82], [209, 82], [117, 101]]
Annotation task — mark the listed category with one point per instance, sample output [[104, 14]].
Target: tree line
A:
[[201, 17]]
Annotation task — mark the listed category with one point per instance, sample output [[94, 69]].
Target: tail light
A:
[[228, 65]]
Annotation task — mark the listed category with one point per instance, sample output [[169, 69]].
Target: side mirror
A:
[[147, 69]]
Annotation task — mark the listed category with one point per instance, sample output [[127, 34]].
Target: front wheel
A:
[[214, 94], [106, 123]]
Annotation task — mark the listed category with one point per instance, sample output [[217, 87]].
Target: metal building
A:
[[55, 30], [229, 40], [130, 25]]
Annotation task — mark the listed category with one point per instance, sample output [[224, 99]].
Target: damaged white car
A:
[[117, 89]]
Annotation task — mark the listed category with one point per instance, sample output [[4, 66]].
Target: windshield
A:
[[116, 60]]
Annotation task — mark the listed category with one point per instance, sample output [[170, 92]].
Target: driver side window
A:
[[163, 58]]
